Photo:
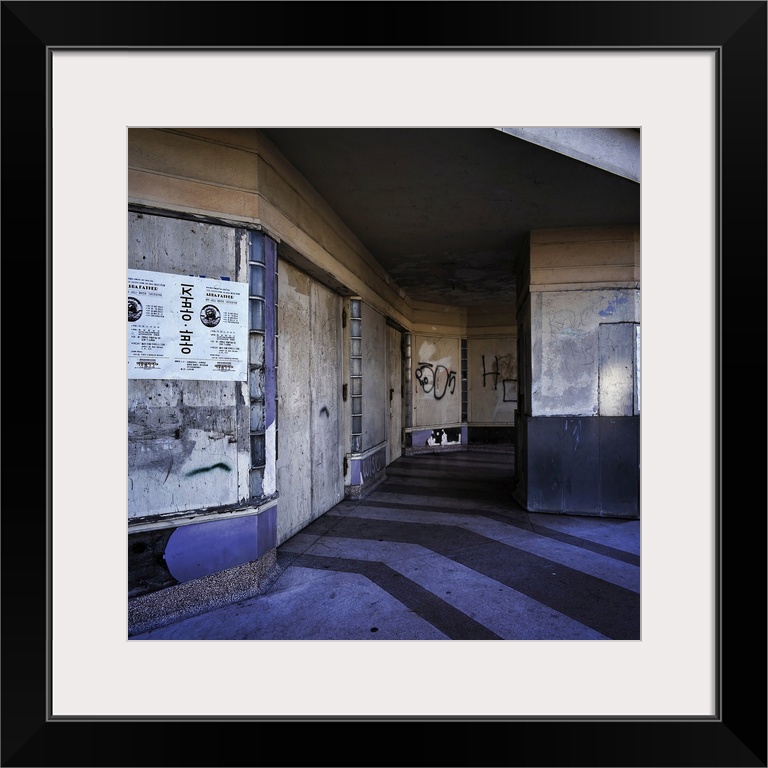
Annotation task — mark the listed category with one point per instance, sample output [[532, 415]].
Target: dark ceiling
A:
[[446, 211]]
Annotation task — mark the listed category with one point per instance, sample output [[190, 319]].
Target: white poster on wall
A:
[[182, 327]]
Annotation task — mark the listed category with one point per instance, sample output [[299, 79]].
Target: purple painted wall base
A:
[[161, 558], [437, 440], [366, 472], [199, 550]]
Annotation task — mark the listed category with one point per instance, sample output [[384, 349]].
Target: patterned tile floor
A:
[[440, 551]]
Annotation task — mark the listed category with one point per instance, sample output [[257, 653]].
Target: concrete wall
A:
[[436, 381], [492, 379], [566, 329], [188, 443]]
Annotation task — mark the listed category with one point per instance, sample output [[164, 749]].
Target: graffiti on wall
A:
[[220, 465], [436, 379], [503, 371], [573, 335]]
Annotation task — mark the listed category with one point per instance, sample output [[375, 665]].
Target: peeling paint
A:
[[269, 483], [445, 437], [613, 306]]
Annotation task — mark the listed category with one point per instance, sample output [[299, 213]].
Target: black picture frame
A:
[[737, 736]]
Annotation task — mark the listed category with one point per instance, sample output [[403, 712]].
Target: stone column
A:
[[579, 329]]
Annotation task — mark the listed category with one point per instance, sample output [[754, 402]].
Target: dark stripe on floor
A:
[[523, 523], [601, 549], [480, 492], [612, 610], [441, 615], [459, 457], [454, 468], [425, 477], [516, 517]]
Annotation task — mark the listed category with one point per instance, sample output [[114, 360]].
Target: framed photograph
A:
[[692, 77]]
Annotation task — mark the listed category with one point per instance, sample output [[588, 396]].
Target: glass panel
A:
[[355, 366], [256, 283], [357, 442], [257, 314], [355, 308], [357, 406], [257, 417], [356, 386], [356, 347], [258, 453], [356, 328], [357, 425], [257, 249], [257, 483]]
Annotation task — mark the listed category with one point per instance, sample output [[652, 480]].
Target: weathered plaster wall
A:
[[565, 349], [164, 244], [436, 380], [492, 379], [183, 451], [188, 443]]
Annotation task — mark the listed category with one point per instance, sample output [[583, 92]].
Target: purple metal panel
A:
[[266, 531], [194, 551], [420, 436]]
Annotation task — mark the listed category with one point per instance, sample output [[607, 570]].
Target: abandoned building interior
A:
[[306, 306]]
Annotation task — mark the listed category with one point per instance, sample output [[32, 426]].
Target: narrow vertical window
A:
[[463, 379], [407, 376], [356, 372], [257, 275]]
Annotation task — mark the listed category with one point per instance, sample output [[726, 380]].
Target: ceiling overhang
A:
[[446, 211]]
